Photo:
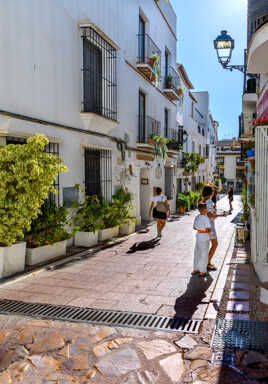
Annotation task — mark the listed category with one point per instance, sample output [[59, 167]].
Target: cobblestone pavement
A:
[[139, 275]]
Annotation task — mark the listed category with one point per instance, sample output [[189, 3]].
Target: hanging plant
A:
[[260, 122], [154, 63], [159, 146]]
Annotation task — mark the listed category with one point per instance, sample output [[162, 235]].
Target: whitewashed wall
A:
[[40, 73]]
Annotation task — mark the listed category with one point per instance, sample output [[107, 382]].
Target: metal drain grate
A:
[[103, 317], [243, 334]]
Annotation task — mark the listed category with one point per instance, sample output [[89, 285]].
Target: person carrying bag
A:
[[160, 208]]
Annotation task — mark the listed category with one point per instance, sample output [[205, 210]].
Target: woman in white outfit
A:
[[160, 217], [207, 193]]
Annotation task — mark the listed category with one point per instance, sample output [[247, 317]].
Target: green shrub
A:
[[122, 201], [49, 227], [89, 216], [27, 175]]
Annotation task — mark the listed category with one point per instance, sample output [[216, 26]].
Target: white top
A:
[[210, 207], [202, 222], [157, 198]]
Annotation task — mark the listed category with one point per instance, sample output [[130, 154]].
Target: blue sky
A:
[[199, 22]]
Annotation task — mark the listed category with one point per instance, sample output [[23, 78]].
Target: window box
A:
[[45, 253], [86, 239], [108, 233], [12, 259]]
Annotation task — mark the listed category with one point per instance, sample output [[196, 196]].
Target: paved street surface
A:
[[34, 351], [139, 275]]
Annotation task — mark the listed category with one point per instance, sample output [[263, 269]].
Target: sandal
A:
[[195, 273], [211, 267], [202, 274]]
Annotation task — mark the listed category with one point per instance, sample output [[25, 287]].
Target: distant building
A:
[[229, 163]]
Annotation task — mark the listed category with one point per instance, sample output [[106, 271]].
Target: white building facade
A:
[[200, 134], [80, 72]]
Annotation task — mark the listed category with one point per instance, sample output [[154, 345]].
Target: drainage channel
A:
[[101, 317], [242, 334]]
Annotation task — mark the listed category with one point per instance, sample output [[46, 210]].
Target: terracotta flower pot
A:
[[150, 140], [181, 210]]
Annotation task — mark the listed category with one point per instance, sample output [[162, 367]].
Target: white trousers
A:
[[201, 255]]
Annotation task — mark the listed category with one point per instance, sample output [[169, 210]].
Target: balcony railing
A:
[[147, 127], [172, 79], [149, 58], [258, 15], [172, 134]]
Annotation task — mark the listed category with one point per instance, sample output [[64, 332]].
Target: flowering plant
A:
[[260, 121], [248, 145]]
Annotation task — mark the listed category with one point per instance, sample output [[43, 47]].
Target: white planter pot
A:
[[108, 233], [13, 259], [46, 252], [70, 242], [127, 229], [86, 239]]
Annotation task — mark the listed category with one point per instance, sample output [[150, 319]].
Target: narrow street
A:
[[156, 280], [138, 275]]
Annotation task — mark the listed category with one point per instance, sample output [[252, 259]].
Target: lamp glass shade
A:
[[224, 46]]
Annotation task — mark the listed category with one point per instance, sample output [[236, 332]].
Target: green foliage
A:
[[122, 201], [48, 227], [244, 201], [199, 186], [160, 146], [192, 162], [184, 201], [27, 175], [89, 216]]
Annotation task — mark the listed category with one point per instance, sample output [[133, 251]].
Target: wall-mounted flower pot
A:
[[45, 253], [108, 233], [127, 228], [86, 239], [13, 259]]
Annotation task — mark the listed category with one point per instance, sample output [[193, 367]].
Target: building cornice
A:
[[184, 76]]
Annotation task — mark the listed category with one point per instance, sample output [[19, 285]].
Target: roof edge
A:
[[185, 78]]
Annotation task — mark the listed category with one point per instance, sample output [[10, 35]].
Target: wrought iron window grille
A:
[[98, 173], [99, 75]]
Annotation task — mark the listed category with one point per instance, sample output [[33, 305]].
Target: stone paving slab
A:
[[155, 280], [238, 306]]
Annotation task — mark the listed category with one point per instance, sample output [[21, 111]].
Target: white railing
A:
[[262, 193]]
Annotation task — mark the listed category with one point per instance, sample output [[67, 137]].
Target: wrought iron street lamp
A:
[[224, 45]]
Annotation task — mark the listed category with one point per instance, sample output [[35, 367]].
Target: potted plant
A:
[[241, 227], [47, 238], [123, 201], [154, 64], [88, 221], [181, 203], [168, 81], [110, 221], [27, 176]]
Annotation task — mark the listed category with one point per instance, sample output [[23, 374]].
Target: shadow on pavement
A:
[[144, 245], [187, 304]]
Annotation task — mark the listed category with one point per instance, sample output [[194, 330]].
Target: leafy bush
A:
[[184, 201], [89, 216], [48, 227], [122, 201], [27, 175], [199, 186]]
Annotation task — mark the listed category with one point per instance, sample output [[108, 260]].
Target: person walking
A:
[[203, 227], [160, 208], [214, 198], [230, 195], [207, 193]]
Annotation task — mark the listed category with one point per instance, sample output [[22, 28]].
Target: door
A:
[[92, 60], [141, 40], [142, 118]]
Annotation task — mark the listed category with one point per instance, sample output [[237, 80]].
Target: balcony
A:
[[149, 58], [173, 135], [257, 15], [147, 127], [246, 128], [171, 83]]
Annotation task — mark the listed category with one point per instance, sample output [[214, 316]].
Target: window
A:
[[98, 173], [199, 129], [193, 147], [166, 62], [169, 183], [192, 110], [203, 132], [166, 122], [99, 75], [200, 150], [179, 185], [141, 39], [142, 117], [205, 154]]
